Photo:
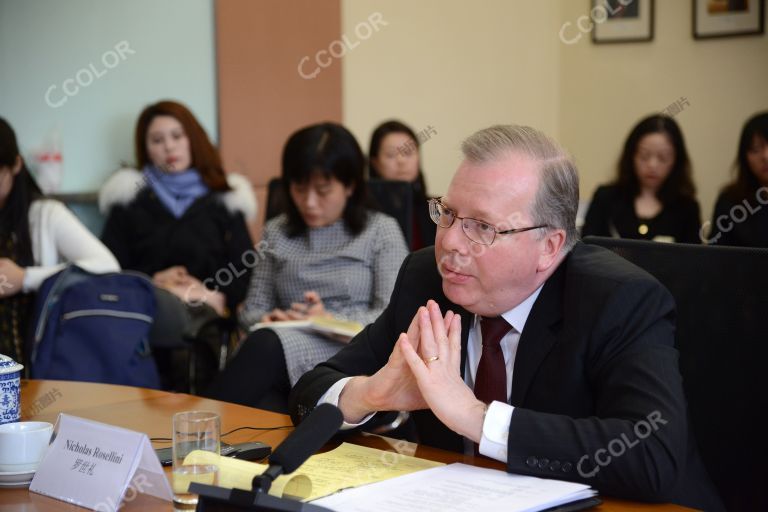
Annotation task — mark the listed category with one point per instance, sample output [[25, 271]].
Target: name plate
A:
[[95, 465]]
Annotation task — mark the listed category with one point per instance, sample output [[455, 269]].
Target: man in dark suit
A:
[[552, 356]]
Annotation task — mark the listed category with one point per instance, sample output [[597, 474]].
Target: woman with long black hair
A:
[[653, 196], [395, 155], [38, 237], [741, 210]]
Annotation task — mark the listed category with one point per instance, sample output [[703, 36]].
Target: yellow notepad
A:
[[347, 466], [339, 329]]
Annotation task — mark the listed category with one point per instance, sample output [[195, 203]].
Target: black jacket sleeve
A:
[[117, 236], [721, 222], [634, 443], [597, 220], [241, 256], [690, 223]]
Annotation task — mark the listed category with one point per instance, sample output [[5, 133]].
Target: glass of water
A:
[[196, 451]]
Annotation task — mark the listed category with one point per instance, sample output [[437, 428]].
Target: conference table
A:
[[150, 411]]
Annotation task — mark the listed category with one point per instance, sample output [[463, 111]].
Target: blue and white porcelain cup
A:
[[10, 390]]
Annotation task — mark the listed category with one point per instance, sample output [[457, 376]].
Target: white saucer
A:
[[16, 478]]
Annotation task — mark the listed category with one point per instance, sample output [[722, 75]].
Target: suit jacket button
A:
[[543, 463], [555, 465], [532, 461], [567, 466]]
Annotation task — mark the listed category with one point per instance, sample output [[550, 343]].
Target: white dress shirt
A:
[[493, 442]]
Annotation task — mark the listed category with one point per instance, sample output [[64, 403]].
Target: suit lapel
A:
[[539, 334]]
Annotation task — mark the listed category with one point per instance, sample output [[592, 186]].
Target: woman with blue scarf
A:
[[181, 219]]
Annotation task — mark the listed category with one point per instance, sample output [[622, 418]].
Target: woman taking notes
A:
[[328, 256]]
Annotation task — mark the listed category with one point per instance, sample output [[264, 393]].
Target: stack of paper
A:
[[345, 467], [458, 487]]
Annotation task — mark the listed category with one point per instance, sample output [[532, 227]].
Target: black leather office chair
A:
[[190, 343], [722, 335], [395, 198], [276, 200]]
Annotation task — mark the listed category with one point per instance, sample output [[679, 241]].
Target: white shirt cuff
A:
[[493, 442], [34, 276], [332, 397]]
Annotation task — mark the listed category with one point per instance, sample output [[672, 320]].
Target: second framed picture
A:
[[622, 21], [727, 18]]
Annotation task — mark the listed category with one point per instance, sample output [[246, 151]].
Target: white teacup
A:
[[23, 444]]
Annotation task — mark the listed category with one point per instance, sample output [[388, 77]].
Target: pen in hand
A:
[[311, 306]]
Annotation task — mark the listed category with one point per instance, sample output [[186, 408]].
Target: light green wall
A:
[[45, 42]]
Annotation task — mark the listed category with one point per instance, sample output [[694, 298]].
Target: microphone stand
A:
[[262, 483], [308, 437], [218, 499]]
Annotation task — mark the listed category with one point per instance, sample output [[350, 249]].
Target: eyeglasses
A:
[[476, 230]]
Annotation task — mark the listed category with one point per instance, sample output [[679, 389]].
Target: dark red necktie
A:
[[491, 377]]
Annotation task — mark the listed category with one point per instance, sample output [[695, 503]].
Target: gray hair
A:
[[557, 198]]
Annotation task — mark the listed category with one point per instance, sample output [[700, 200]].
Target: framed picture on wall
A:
[[727, 18], [621, 21]]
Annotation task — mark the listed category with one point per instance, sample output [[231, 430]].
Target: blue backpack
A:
[[94, 328]]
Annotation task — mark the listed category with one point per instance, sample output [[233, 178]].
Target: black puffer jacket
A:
[[211, 239]]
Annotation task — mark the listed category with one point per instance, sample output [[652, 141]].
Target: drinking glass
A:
[[198, 432]]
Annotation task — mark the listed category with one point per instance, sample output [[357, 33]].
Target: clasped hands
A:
[[423, 372]]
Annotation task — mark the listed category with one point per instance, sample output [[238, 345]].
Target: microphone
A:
[[311, 434]]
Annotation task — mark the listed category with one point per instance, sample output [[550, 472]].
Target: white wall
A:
[[45, 42], [460, 66], [455, 65]]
